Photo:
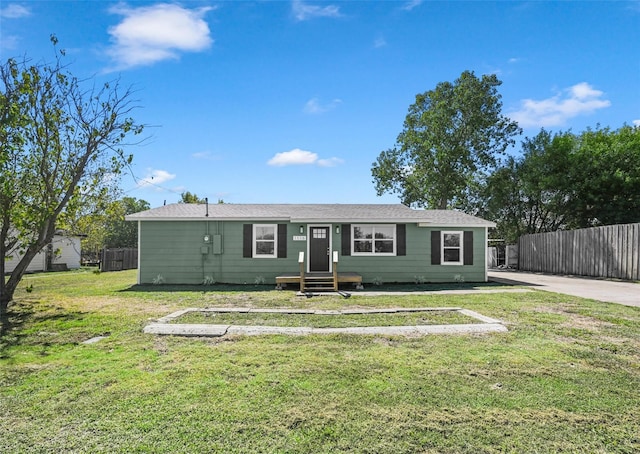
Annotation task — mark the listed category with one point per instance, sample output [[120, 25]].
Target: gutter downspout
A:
[[139, 249], [486, 250]]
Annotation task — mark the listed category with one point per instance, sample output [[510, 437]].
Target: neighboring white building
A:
[[62, 253]]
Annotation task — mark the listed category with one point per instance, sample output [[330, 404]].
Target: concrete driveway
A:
[[627, 293]]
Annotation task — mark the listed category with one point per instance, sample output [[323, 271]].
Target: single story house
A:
[[63, 253], [292, 243]]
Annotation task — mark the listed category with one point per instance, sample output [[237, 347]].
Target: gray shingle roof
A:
[[346, 213]]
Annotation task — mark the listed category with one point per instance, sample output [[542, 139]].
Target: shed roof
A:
[[343, 213]]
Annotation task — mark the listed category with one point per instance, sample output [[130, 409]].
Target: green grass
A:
[[327, 321], [565, 378]]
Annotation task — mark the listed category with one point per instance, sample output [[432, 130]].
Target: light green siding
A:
[[174, 250], [417, 262]]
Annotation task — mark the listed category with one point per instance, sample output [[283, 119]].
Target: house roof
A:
[[309, 213]]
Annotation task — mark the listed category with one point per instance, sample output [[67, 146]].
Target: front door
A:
[[319, 249]]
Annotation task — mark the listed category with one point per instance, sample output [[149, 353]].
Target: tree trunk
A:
[[5, 299], [5, 295], [8, 286]]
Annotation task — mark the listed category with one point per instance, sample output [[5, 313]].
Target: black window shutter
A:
[[247, 240], [401, 240], [468, 247], [435, 247], [346, 239], [282, 241]]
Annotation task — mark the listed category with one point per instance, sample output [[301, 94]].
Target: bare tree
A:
[[59, 142]]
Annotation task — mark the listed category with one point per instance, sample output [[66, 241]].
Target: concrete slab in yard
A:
[[477, 316], [221, 330], [260, 330], [415, 330], [190, 330], [488, 324], [93, 340]]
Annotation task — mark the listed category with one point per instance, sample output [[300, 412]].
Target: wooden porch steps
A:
[[319, 283]]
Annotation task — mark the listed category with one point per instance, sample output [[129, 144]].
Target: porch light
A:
[[337, 229], [302, 229]]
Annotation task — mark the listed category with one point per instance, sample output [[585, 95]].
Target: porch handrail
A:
[[335, 271], [301, 262]]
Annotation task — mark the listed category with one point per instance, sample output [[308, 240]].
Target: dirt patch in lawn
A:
[[574, 320]]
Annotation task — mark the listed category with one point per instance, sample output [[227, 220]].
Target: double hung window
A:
[[452, 248], [265, 240], [373, 239]]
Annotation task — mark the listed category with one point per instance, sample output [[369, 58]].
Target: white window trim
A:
[[452, 232], [255, 241], [373, 253]]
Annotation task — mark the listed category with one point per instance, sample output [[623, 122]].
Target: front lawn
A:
[[565, 378]]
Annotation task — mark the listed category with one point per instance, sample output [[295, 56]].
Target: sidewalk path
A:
[[626, 293]]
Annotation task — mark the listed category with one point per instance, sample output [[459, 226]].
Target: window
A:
[[368, 239], [319, 233], [452, 248], [265, 240]]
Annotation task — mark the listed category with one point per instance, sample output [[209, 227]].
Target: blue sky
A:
[[292, 101]]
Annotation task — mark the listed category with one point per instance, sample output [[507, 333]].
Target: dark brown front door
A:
[[319, 249]]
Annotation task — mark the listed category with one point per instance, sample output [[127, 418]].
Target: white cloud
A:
[[9, 42], [206, 156], [584, 91], [634, 6], [411, 4], [313, 106], [580, 99], [636, 122], [14, 11], [303, 11], [154, 178], [331, 162], [293, 157], [379, 42], [301, 157], [149, 34]]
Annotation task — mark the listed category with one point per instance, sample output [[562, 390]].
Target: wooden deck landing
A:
[[309, 278]]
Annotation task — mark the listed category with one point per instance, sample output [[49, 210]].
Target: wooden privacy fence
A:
[[611, 251], [118, 259]]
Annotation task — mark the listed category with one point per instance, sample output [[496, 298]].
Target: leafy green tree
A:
[[187, 197], [89, 219], [120, 233], [503, 202], [60, 141], [567, 181], [103, 225], [533, 193], [452, 137], [606, 177]]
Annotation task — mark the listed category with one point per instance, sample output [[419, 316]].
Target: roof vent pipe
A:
[[206, 201]]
